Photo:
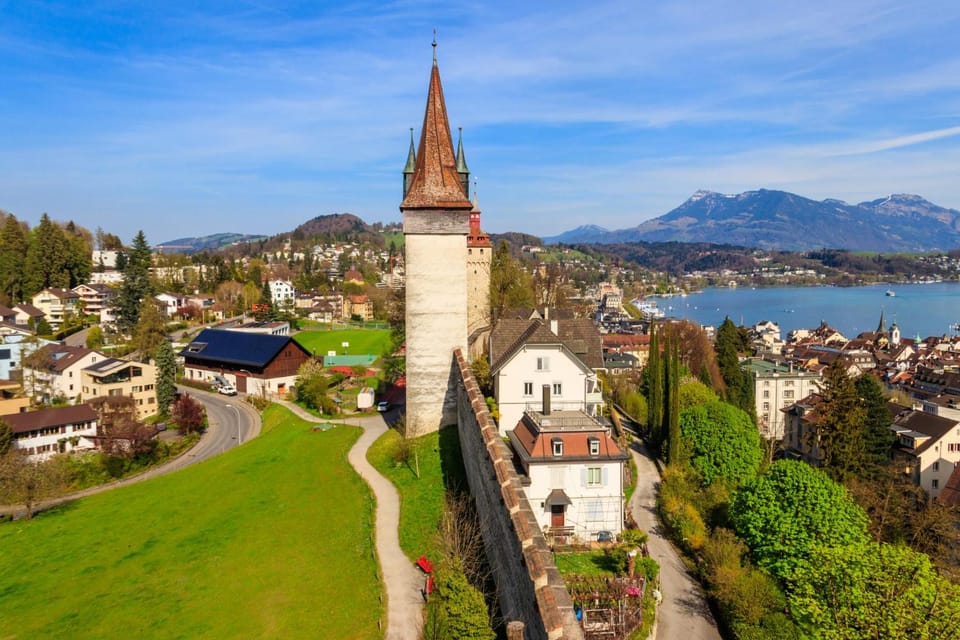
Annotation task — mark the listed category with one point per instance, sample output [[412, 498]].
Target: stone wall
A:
[[529, 585]]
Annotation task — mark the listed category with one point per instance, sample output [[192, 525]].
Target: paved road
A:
[[228, 417], [684, 612], [401, 580]]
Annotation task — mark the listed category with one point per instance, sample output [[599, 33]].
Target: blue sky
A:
[[201, 117]]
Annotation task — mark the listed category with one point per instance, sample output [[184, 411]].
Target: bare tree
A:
[[28, 482]]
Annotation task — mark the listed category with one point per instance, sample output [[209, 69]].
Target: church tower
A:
[[436, 221]]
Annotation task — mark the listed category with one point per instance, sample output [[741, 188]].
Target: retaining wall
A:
[[530, 588]]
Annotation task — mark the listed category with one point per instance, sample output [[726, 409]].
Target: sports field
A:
[[361, 341], [271, 540]]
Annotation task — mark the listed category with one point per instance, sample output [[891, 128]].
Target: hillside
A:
[[780, 220], [205, 243]]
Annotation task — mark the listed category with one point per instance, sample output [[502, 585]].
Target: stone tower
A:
[[436, 220], [479, 260]]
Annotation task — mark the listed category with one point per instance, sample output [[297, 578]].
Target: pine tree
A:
[[13, 254], [47, 260], [150, 329], [878, 440], [655, 388], [840, 423], [166, 377], [136, 284]]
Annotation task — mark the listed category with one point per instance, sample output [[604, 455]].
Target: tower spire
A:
[[462, 164], [411, 165]]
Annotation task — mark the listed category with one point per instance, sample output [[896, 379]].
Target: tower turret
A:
[[410, 167], [462, 169]]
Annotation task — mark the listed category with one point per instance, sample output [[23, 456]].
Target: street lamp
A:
[[239, 439]]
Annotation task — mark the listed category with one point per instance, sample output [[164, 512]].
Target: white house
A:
[[170, 303], [56, 372], [282, 294], [927, 447], [46, 432], [776, 386], [562, 353], [575, 471], [56, 304]]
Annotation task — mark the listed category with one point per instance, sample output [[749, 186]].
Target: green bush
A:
[[456, 609]]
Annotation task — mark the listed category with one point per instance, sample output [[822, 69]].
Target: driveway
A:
[[684, 612], [231, 423]]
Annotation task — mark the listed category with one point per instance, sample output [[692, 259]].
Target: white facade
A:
[[282, 294], [776, 387], [518, 383], [595, 491], [44, 384], [47, 432], [928, 447]]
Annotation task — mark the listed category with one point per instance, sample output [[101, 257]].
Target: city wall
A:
[[529, 586]]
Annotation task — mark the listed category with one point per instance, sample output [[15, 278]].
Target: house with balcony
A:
[[53, 371], [47, 432], [927, 448], [571, 471], [114, 377], [564, 353], [94, 298], [776, 386], [56, 304]]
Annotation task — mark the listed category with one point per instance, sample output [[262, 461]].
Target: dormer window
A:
[[594, 444], [557, 446]]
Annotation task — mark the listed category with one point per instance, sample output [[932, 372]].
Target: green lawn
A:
[[585, 563], [421, 498], [362, 341], [272, 540]]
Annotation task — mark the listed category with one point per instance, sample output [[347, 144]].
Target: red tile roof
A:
[[436, 183]]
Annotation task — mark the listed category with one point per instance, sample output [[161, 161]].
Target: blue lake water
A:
[[924, 309]]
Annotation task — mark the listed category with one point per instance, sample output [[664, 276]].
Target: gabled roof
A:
[[234, 347], [32, 420], [29, 309], [578, 335], [925, 424], [436, 183], [60, 356]]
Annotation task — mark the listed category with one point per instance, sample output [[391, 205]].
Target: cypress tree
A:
[[673, 402], [840, 424], [655, 388]]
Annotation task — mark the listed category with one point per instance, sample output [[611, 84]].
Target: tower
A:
[[436, 220], [479, 261]]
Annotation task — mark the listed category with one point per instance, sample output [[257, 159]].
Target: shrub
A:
[[456, 609]]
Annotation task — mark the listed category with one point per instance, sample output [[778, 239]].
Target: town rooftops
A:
[[234, 347], [44, 418], [578, 335], [924, 428]]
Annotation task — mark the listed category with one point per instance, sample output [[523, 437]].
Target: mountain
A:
[[211, 242], [780, 220]]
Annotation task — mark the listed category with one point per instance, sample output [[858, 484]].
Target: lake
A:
[[924, 309]]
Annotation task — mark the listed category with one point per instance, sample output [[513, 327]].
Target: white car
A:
[[227, 390], [383, 406]]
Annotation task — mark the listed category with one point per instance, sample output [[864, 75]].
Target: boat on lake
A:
[[891, 293]]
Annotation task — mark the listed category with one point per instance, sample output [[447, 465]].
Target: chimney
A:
[[554, 327], [546, 400]]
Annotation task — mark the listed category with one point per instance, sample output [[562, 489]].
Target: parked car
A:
[[383, 406], [227, 390]]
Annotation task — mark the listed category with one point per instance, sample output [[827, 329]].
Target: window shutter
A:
[[604, 475], [583, 476]]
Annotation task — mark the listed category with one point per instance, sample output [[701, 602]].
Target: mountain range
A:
[[780, 220]]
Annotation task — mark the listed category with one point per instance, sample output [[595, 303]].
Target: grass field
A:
[[362, 341], [271, 540], [421, 498]]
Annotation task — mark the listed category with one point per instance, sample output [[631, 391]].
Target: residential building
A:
[[13, 348], [170, 303], [776, 386], [56, 304], [358, 305], [572, 471], [927, 448], [799, 428], [55, 372], [46, 432], [564, 353], [27, 315], [282, 294], [113, 377], [94, 298], [251, 362], [11, 398]]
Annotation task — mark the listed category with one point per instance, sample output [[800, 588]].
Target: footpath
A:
[[684, 612], [401, 580]]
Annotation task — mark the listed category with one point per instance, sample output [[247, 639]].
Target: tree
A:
[[136, 284], [47, 258], [877, 438], [873, 590], [723, 442], [693, 393], [697, 353], [785, 513], [28, 482], [94, 337], [189, 415], [229, 295], [6, 437], [457, 609], [838, 428], [166, 362], [13, 253], [728, 344], [510, 284], [150, 329], [654, 376], [672, 401], [481, 373], [123, 435]]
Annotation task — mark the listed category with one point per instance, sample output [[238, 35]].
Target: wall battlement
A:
[[530, 588]]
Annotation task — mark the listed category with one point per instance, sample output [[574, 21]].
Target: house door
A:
[[556, 515], [241, 383]]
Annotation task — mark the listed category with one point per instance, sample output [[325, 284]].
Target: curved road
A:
[[684, 612], [231, 422]]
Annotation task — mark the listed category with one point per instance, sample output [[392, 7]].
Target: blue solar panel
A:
[[235, 347]]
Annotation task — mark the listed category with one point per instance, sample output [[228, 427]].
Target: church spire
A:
[[462, 164], [411, 165], [435, 183], [882, 327]]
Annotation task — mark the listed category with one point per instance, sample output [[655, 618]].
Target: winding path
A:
[[684, 612], [401, 580]]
